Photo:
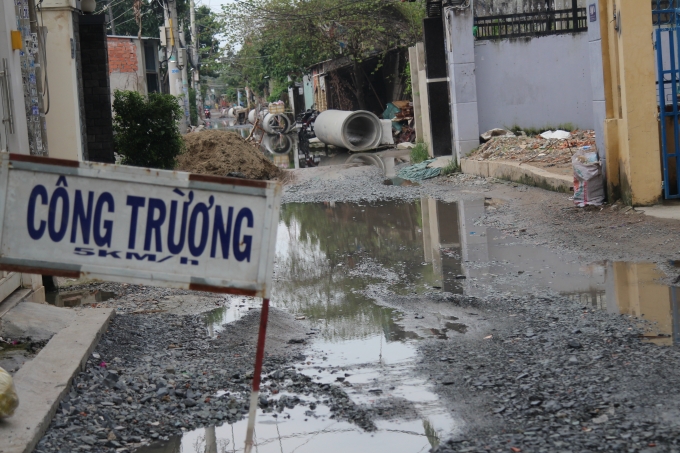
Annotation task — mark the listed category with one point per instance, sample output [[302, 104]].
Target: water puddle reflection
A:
[[302, 430], [216, 319], [498, 261], [341, 265], [77, 298]]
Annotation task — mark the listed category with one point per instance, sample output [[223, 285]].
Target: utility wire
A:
[[126, 21], [108, 6]]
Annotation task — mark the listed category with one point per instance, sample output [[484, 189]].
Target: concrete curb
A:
[[43, 381], [523, 174]]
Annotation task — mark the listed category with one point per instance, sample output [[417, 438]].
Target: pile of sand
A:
[[219, 153]]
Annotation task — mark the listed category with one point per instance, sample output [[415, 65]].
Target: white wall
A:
[[16, 142], [597, 81], [63, 120], [534, 82]]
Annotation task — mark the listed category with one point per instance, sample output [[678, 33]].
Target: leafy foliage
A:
[[408, 89], [207, 23], [145, 130], [209, 52], [419, 153], [282, 38]]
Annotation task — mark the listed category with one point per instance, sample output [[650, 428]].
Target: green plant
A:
[[419, 153], [567, 127], [145, 129], [408, 88], [452, 167]]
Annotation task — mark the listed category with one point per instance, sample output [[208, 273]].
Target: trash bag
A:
[[8, 395], [588, 180]]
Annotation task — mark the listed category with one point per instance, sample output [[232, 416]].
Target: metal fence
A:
[[665, 12], [530, 24]]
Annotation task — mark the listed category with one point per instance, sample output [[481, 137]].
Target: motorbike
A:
[[207, 114], [306, 120]]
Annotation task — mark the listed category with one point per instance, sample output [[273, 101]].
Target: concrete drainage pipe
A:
[[356, 131], [368, 159], [278, 144], [252, 116], [275, 123]]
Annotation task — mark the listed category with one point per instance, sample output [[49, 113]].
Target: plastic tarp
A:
[[419, 172], [390, 112]]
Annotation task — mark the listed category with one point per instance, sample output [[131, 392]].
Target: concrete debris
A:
[[488, 135], [440, 162], [536, 149]]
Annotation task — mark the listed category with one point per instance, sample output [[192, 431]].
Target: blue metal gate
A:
[[666, 15]]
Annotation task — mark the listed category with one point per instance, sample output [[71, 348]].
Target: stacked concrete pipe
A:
[[355, 131], [276, 123], [278, 143], [252, 116]]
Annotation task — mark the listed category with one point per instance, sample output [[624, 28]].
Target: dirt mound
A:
[[219, 153]]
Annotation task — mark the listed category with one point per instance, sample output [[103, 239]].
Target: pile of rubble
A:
[[535, 149], [221, 153], [401, 114]]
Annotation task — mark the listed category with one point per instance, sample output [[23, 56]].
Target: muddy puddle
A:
[[344, 267], [77, 298]]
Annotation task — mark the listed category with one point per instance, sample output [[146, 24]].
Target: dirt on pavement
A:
[[219, 153]]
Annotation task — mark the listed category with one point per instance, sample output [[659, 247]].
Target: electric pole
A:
[[113, 24], [185, 78], [174, 62], [194, 52]]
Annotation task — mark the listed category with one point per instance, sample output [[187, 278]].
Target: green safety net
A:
[[419, 172]]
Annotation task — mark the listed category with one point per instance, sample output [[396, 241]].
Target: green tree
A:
[[208, 27], [145, 129], [282, 38], [209, 52]]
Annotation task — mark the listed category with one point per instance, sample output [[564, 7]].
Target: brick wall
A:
[[122, 55], [96, 88]]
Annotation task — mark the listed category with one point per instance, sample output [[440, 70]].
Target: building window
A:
[[152, 83], [150, 57], [151, 66]]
